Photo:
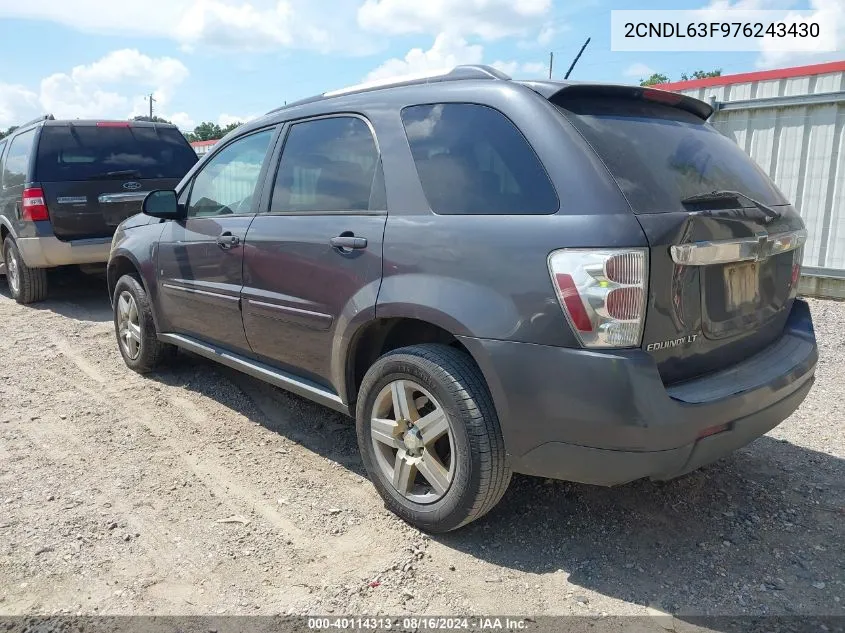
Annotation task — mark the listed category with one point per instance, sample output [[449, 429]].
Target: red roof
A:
[[762, 75], [204, 143]]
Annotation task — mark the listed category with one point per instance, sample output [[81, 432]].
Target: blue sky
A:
[[225, 60]]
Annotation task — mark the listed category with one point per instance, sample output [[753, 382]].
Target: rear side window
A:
[[472, 160], [660, 155], [88, 152], [327, 165], [17, 160]]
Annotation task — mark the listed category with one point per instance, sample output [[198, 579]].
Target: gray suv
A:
[[577, 281]]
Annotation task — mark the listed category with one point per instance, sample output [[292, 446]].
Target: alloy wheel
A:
[[413, 441], [13, 272], [128, 325]]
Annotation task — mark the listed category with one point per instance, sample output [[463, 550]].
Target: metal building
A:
[[792, 122]]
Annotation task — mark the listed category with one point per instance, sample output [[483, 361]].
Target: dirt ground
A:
[[202, 491]]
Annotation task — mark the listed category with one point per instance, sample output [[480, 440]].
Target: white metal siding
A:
[[802, 148]]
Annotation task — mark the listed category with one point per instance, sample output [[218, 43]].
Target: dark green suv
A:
[[66, 185]]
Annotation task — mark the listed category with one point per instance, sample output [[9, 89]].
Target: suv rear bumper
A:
[[49, 251], [607, 418]]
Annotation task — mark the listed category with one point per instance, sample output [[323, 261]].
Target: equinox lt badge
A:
[[653, 347]]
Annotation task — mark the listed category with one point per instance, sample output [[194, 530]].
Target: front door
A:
[[314, 259], [200, 259]]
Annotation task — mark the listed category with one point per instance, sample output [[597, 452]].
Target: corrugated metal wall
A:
[[801, 147]]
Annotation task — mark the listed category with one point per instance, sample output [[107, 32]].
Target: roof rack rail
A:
[[45, 117], [470, 71], [458, 72]]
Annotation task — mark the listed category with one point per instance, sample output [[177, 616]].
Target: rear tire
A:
[[135, 328], [26, 285], [469, 473]]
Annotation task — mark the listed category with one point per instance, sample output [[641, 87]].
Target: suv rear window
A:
[[472, 160], [660, 155], [87, 152]]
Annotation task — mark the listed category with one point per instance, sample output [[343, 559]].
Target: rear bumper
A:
[[606, 417], [49, 251]]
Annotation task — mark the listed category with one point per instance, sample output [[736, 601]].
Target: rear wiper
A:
[[712, 196], [123, 173]]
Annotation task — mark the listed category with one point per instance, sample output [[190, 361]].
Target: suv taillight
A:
[[33, 206], [603, 293]]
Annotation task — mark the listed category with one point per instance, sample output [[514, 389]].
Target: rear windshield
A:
[[660, 155], [87, 152]]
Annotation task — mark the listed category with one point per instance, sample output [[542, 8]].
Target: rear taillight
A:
[[603, 293], [33, 206]]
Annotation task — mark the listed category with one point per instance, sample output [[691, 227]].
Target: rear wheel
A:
[[26, 285], [135, 327], [429, 437]]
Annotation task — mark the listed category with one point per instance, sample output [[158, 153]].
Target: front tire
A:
[[135, 328], [430, 438], [26, 285]]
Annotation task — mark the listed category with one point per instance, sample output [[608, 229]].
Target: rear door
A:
[[315, 257], [200, 258], [723, 268], [96, 174]]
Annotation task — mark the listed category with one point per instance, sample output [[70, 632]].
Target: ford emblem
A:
[[132, 186]]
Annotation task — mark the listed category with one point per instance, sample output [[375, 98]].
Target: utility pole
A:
[[551, 63], [151, 100]]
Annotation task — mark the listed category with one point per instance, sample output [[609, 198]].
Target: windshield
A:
[[85, 152], [660, 155]]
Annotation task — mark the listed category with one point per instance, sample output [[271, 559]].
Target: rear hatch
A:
[[95, 174], [725, 245]]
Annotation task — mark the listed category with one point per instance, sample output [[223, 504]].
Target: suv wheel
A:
[[135, 328], [27, 285], [429, 437]]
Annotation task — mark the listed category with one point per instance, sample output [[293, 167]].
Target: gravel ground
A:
[[203, 491]]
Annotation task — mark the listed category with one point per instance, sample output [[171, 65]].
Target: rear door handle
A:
[[227, 241], [348, 242]]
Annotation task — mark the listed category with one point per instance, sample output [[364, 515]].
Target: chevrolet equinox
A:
[[576, 281]]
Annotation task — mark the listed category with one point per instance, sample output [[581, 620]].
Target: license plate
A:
[[742, 285]]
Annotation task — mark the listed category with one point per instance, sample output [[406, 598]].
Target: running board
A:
[[256, 369]]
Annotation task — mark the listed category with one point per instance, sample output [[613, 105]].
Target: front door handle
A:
[[348, 242], [227, 241]]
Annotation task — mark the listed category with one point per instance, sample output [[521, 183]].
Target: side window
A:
[[472, 160], [17, 161], [227, 183], [2, 167], [327, 165]]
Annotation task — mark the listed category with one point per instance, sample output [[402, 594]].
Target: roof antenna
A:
[[577, 57]]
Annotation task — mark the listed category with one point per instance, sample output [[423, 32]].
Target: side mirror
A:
[[162, 204]]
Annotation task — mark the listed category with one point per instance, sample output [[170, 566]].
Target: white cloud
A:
[[17, 104], [828, 13], [518, 69], [639, 70], [487, 19], [546, 35], [447, 51], [227, 119], [243, 25], [107, 88]]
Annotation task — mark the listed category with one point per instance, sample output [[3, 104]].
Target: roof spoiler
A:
[[560, 93]]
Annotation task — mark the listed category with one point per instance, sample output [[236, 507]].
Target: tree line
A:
[[660, 78], [206, 131]]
